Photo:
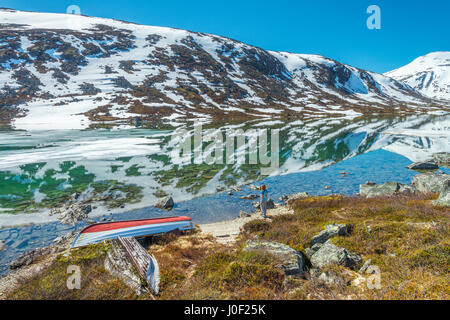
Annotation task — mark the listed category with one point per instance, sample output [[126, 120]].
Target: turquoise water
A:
[[378, 166], [40, 169]]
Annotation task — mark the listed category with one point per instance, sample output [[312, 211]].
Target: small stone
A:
[[330, 254], [365, 266], [243, 214], [291, 260], [331, 231]]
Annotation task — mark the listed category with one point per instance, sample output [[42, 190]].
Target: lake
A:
[[125, 169]]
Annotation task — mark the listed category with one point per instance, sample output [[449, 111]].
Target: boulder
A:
[[385, 189], [331, 231], [2, 245], [72, 213], [291, 260], [444, 197], [314, 248], [442, 158], [165, 203], [425, 165], [296, 196], [330, 254], [29, 257], [430, 182]]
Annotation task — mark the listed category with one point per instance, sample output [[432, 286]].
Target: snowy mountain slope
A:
[[62, 71], [429, 74]]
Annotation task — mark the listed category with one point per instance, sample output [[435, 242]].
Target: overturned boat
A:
[[132, 228]]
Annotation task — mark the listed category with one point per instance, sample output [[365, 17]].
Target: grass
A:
[[406, 237]]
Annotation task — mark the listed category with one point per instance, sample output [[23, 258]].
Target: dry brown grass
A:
[[406, 237]]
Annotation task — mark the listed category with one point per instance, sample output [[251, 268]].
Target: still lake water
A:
[[128, 169]]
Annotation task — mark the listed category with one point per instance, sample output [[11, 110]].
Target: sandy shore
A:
[[227, 231]]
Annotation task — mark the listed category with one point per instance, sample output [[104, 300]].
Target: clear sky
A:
[[333, 28]]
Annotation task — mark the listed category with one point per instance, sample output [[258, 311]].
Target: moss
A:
[[435, 258], [96, 282]]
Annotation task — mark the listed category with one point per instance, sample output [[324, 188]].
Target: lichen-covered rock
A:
[[385, 189], [29, 257], [330, 254], [442, 158], [165, 203], [444, 197], [291, 260], [72, 213], [430, 182], [331, 231]]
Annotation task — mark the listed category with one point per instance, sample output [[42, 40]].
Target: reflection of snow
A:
[[419, 143], [306, 145]]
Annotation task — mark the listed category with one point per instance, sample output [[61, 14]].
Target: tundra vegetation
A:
[[405, 236]]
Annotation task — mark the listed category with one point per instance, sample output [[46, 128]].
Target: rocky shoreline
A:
[[313, 260]]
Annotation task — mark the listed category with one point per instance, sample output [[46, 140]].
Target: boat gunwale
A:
[[137, 220]]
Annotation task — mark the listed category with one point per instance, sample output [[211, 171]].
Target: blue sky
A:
[[333, 28]]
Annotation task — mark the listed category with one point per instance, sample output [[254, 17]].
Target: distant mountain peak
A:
[[428, 74], [76, 69]]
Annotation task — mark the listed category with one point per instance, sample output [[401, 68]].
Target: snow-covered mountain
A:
[[61, 70], [429, 74]]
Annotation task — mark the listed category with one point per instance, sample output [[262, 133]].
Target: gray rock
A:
[[365, 266], [299, 195], [442, 158], [424, 165], [330, 254], [430, 182], [2, 245], [72, 213], [444, 198], [243, 214], [165, 203], [292, 261], [385, 189], [314, 248], [29, 257], [331, 231]]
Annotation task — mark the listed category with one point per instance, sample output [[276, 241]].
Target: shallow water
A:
[[40, 169]]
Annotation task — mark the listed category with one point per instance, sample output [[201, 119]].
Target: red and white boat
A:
[[132, 228]]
